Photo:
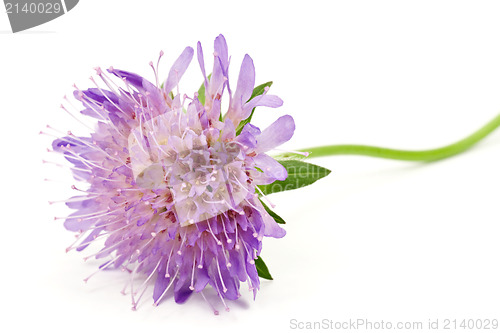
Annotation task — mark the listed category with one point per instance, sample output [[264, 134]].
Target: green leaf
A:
[[201, 94], [275, 216], [300, 174], [201, 91], [259, 90], [262, 269]]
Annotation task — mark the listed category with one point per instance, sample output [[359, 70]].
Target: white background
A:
[[376, 240]]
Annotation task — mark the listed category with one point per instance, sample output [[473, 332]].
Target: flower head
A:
[[172, 180]]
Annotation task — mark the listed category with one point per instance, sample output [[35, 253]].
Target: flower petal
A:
[[86, 242], [99, 96], [277, 133], [270, 167], [132, 78], [244, 88], [161, 283], [248, 136], [220, 48], [271, 101], [73, 223], [253, 275], [142, 85], [246, 81], [182, 294], [237, 265], [271, 228], [221, 63], [178, 69], [201, 61], [228, 132], [202, 279]]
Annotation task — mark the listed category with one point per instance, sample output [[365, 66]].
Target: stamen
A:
[[236, 246], [224, 289], [229, 240], [155, 72], [265, 197], [210, 304], [146, 281], [200, 265], [74, 117], [123, 291], [100, 269], [132, 278], [167, 275], [166, 289], [213, 235], [93, 214], [221, 297], [106, 249], [191, 287], [68, 149]]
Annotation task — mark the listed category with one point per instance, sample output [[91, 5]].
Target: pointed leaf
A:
[[259, 90], [201, 91], [300, 174], [275, 216], [262, 269], [201, 94]]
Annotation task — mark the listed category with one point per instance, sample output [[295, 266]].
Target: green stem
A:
[[407, 155]]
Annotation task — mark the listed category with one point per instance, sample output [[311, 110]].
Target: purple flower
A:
[[171, 187]]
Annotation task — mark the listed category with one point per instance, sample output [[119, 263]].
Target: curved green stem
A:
[[407, 155]]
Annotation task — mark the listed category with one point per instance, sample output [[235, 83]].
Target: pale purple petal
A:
[[178, 69], [161, 283], [220, 48], [271, 228], [73, 223], [270, 166], [229, 131], [251, 130], [142, 85], [201, 61], [202, 279], [237, 265], [86, 242], [271, 101], [132, 78], [244, 88], [182, 294], [276, 134], [220, 66], [252, 274], [99, 96]]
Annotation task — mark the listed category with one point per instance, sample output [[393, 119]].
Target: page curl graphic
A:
[[26, 14]]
